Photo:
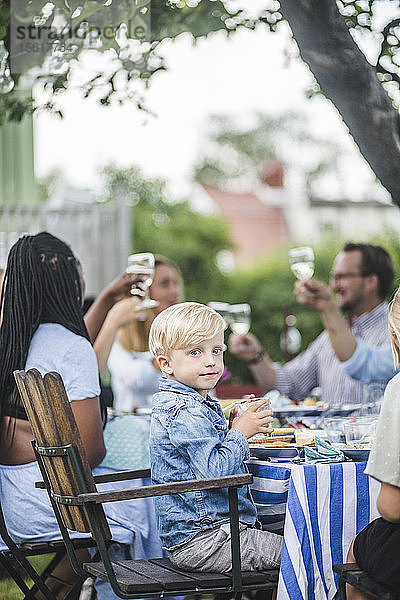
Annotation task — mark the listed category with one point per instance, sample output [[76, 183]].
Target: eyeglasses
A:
[[339, 276]]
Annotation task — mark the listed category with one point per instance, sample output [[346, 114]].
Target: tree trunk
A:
[[350, 82]]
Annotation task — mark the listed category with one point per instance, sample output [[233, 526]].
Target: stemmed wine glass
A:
[[301, 262], [142, 266], [240, 318], [223, 308]]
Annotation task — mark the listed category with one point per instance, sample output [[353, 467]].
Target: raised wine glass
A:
[[223, 308], [301, 262], [240, 318], [142, 267]]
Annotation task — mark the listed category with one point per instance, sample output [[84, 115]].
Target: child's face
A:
[[199, 367]]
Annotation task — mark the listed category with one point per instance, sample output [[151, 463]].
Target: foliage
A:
[[135, 57], [237, 152], [191, 239]]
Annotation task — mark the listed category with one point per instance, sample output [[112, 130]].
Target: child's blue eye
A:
[[217, 350], [194, 352]]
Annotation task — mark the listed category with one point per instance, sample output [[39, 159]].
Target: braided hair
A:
[[41, 285]]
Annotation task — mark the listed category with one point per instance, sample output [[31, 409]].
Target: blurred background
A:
[[229, 158]]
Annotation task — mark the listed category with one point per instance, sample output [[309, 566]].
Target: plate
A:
[[295, 409], [286, 452], [356, 455]]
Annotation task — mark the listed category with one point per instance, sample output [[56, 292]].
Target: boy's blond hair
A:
[[394, 327], [183, 325]]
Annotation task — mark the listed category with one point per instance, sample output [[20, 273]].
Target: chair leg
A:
[[341, 593], [38, 582]]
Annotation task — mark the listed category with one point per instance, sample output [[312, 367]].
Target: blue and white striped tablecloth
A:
[[326, 506]]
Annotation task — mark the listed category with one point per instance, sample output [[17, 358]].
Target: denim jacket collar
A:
[[170, 385]]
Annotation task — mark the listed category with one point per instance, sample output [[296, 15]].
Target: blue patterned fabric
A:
[[127, 443], [326, 506], [323, 453]]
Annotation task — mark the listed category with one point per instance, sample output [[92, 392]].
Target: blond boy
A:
[[189, 439]]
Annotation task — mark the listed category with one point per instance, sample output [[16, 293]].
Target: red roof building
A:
[[256, 228]]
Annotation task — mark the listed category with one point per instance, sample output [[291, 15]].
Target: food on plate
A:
[[279, 437], [306, 437], [309, 401]]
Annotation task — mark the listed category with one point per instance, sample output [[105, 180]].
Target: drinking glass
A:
[[223, 308], [334, 429], [360, 432], [240, 318], [301, 262], [142, 267], [372, 398]]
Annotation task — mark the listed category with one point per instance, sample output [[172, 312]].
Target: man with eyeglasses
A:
[[353, 349]]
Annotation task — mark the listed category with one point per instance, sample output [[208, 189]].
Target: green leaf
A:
[[89, 9]]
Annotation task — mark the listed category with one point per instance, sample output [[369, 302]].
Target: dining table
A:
[[318, 508]]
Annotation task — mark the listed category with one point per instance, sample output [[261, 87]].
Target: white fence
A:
[[99, 234]]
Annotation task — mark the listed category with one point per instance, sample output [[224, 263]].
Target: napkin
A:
[[323, 453]]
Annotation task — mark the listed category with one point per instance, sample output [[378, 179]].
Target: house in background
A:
[[261, 220]]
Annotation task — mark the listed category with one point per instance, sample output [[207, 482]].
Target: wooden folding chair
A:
[[78, 505]]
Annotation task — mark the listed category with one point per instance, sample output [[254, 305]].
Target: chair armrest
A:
[[109, 477], [164, 489], [122, 475]]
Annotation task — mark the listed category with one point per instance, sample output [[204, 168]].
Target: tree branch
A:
[[350, 82]]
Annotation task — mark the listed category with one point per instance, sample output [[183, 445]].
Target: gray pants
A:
[[210, 550]]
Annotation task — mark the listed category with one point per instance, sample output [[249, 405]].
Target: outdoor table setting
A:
[[322, 506], [318, 495]]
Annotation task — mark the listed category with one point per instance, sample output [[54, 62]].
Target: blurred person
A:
[[376, 547], [122, 344], [361, 278], [42, 327], [366, 363]]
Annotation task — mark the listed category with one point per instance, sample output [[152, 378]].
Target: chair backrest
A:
[[53, 425]]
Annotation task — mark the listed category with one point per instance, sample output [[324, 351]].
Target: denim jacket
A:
[[189, 439]]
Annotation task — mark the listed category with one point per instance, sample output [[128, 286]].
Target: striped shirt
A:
[[318, 365]]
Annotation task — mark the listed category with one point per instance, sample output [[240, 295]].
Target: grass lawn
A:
[[10, 591]]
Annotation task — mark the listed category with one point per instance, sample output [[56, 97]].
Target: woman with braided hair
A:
[[42, 326]]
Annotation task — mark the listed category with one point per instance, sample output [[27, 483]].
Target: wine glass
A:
[[301, 262], [223, 308], [240, 318], [142, 266]]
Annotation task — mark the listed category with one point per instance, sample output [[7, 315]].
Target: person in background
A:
[[376, 547], [190, 439], [123, 340], [362, 278], [42, 327], [366, 363]]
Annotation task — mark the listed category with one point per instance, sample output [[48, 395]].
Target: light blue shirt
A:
[[370, 363]]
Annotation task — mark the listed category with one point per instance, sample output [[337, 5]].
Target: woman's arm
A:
[[88, 419], [122, 313], [115, 291], [388, 503]]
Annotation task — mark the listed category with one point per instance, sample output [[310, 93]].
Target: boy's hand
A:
[[256, 419]]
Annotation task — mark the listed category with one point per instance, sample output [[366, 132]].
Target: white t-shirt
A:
[[134, 378], [55, 348], [384, 458]]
